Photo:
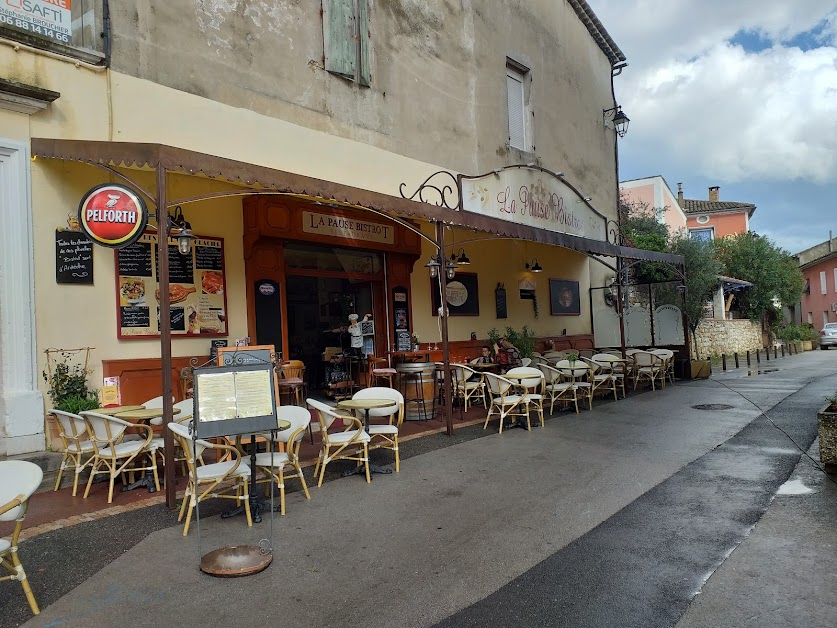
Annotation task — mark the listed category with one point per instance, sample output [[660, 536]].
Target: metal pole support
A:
[[724, 361], [748, 357], [736, 359]]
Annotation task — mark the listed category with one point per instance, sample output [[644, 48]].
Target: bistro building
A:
[[321, 192]]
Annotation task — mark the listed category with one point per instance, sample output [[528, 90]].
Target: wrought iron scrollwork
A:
[[436, 191], [615, 234]]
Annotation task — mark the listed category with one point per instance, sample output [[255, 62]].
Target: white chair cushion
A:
[[648, 369], [384, 371], [123, 449], [340, 438], [280, 459], [84, 447], [559, 387], [382, 429], [4, 545], [508, 401], [219, 469], [534, 397], [583, 384], [471, 385]]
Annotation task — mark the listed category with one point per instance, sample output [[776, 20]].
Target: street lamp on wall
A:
[[180, 228], [618, 120], [437, 262], [534, 267], [462, 260]]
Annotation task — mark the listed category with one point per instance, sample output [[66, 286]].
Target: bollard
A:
[[783, 351], [758, 358], [736, 359], [767, 353], [724, 361], [775, 352], [748, 357]]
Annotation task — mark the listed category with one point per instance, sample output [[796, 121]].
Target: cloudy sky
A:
[[736, 93]]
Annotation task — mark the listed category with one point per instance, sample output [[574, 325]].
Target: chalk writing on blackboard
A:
[[73, 257], [135, 260]]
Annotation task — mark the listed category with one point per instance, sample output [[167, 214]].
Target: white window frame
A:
[[835, 280], [516, 71], [710, 230], [823, 282], [810, 318]]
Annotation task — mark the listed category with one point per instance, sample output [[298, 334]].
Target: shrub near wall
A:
[[715, 336]]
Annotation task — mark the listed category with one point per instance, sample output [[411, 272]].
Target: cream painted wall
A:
[[72, 316], [503, 261]]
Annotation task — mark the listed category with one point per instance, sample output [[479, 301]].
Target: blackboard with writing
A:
[[73, 257], [132, 316], [209, 257], [502, 305], [181, 268], [135, 260]]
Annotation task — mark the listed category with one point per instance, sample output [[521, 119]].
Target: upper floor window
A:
[[702, 234], [835, 280], [518, 88], [823, 285], [73, 27], [346, 39]]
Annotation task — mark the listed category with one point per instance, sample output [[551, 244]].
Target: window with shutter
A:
[[346, 39], [517, 109]]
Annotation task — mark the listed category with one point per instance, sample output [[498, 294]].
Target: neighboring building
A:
[[714, 218], [654, 194], [329, 107], [819, 298]]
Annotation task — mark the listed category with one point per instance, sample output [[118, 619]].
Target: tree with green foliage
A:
[[775, 275], [701, 281], [644, 231]]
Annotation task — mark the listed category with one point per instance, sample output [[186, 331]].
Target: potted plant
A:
[[68, 390], [827, 431], [572, 358], [808, 336]]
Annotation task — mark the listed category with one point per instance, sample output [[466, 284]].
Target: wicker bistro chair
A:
[[469, 384], [601, 378], [379, 369], [292, 382], [114, 453], [668, 363], [504, 400], [271, 464], [578, 374], [556, 389], [76, 446], [186, 408], [533, 384], [350, 444], [384, 435], [614, 366], [229, 479], [648, 367], [19, 479]]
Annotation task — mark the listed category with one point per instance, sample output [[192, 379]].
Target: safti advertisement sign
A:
[[112, 215], [51, 19]]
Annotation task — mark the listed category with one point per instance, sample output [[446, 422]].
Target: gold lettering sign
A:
[[350, 228]]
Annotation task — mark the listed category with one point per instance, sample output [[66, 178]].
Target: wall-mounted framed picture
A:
[[463, 295], [564, 298]]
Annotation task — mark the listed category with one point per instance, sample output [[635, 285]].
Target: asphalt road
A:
[[615, 517]]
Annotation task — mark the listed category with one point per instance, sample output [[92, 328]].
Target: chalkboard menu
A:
[[197, 289], [500, 299], [401, 319], [73, 257]]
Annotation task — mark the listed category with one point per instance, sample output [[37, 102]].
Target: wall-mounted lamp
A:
[[462, 260], [180, 228], [619, 121], [534, 266], [436, 263], [433, 267]]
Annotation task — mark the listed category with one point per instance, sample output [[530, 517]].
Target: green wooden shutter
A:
[[340, 43], [363, 23]]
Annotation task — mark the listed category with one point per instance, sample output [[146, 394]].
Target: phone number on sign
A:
[[30, 25]]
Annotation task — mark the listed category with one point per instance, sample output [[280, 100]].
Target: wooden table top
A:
[[365, 404], [143, 414], [116, 409]]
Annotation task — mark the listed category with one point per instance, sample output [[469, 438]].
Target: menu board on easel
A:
[[234, 400], [197, 289]]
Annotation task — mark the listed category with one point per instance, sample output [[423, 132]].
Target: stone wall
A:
[[716, 336]]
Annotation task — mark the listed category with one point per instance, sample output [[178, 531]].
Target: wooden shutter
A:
[[363, 25], [339, 37], [517, 111]]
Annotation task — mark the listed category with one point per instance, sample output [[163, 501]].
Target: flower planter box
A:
[[701, 369], [827, 431], [807, 345]]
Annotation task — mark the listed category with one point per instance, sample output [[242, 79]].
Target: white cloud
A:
[[711, 109]]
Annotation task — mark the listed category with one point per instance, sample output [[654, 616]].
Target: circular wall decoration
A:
[[267, 289], [457, 293], [112, 215], [702, 220]]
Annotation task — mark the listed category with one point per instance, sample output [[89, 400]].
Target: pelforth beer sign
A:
[[112, 215]]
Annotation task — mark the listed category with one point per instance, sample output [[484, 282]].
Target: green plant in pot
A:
[[68, 388], [572, 358]]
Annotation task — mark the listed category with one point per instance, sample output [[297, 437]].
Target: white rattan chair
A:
[[157, 402], [114, 454], [504, 400], [601, 378], [76, 446], [533, 384], [19, 479], [469, 384], [350, 444], [578, 374], [668, 363], [271, 464], [648, 367], [228, 480], [384, 435], [557, 389], [613, 365]]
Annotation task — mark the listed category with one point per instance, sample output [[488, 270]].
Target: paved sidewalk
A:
[[454, 527]]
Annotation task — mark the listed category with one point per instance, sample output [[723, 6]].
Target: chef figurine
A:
[[355, 334]]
